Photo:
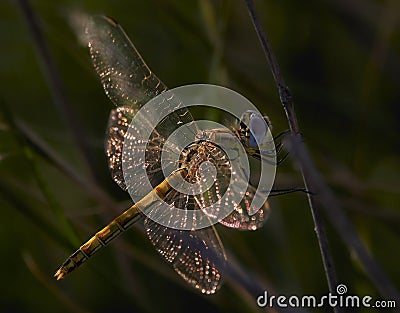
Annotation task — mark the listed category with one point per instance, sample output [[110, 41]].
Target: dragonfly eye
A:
[[253, 127], [258, 130]]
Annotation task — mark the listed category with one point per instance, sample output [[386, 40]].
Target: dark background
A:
[[341, 60]]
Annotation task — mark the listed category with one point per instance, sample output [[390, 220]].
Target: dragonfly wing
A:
[[117, 127], [130, 84], [197, 256], [230, 194], [125, 77], [241, 217], [117, 130]]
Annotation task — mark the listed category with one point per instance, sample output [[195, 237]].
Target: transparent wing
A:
[[241, 219], [241, 214], [125, 77], [130, 84], [222, 196], [117, 131], [197, 256], [118, 123]]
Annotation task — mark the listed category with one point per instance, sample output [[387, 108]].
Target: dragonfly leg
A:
[[278, 192]]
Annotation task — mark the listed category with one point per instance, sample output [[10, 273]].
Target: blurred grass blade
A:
[[65, 224], [215, 23], [53, 203], [43, 149], [56, 84], [15, 200], [45, 281]]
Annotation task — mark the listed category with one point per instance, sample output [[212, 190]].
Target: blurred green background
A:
[[341, 60]]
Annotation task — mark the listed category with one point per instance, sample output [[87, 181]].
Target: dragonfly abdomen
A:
[[118, 225], [99, 240]]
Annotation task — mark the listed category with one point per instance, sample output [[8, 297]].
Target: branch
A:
[[322, 197], [286, 100], [336, 215]]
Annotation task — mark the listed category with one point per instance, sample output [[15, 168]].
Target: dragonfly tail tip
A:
[[59, 274]]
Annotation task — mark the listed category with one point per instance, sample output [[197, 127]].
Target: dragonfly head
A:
[[253, 128]]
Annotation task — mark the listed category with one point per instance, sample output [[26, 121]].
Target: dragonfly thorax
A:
[[195, 154]]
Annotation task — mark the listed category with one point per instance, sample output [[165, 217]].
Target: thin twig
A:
[[283, 90], [56, 84], [324, 197], [327, 200], [286, 100]]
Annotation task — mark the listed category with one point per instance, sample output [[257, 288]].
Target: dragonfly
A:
[[197, 255]]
